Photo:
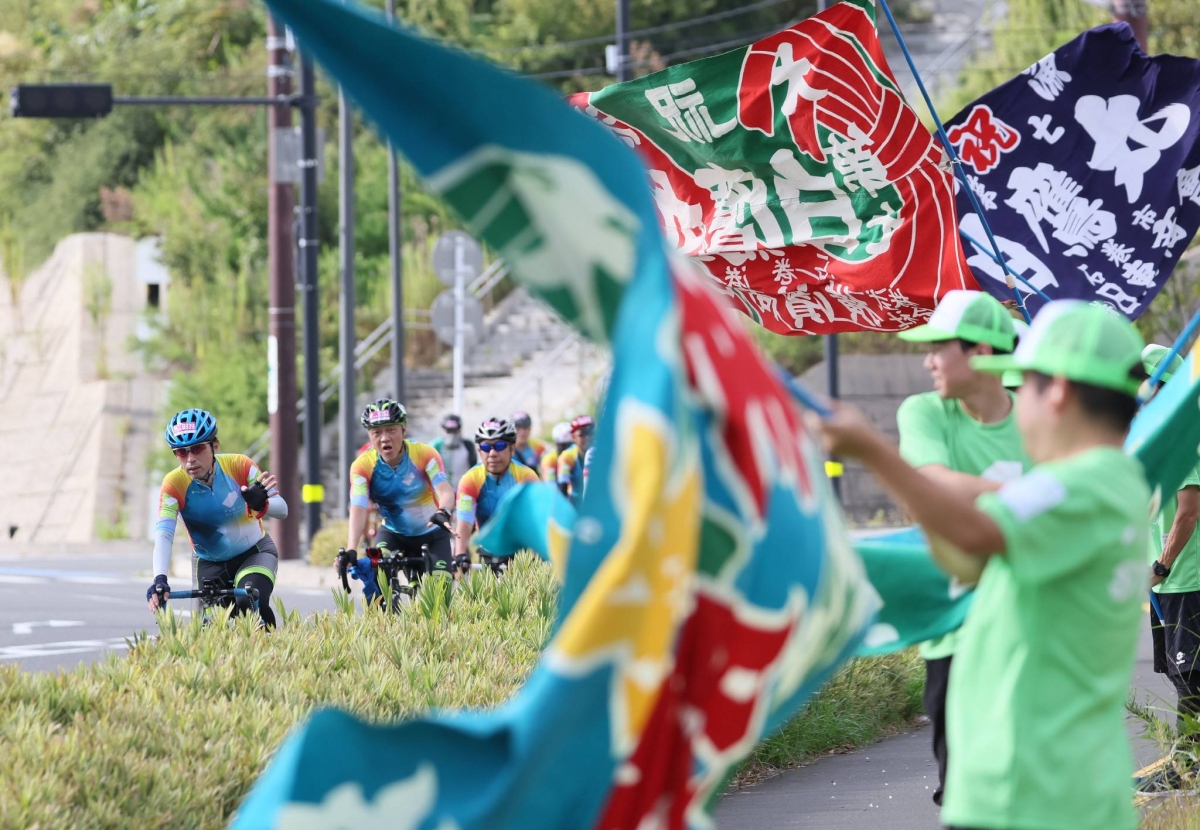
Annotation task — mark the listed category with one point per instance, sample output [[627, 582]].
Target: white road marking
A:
[[27, 627], [92, 580], [64, 647], [22, 580]]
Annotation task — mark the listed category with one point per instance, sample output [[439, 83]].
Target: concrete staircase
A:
[[527, 359]]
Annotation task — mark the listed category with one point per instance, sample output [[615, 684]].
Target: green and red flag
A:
[[794, 171]]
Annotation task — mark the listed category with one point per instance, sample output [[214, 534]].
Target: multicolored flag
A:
[[709, 588], [794, 171], [1087, 168]]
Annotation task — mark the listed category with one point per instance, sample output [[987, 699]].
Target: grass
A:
[[1179, 812], [865, 700], [174, 733]]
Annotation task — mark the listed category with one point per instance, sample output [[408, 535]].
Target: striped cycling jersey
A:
[[405, 494], [479, 491], [216, 518]]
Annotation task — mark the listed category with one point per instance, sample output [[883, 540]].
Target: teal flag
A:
[[1165, 435]]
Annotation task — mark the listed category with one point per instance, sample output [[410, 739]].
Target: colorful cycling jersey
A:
[[479, 492], [215, 517], [531, 455], [548, 466], [404, 494], [587, 466], [570, 472]]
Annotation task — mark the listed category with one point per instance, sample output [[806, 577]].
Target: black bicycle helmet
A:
[[496, 429], [383, 413], [521, 420]]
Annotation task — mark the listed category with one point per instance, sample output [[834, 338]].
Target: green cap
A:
[[966, 315], [1153, 355], [1079, 341]]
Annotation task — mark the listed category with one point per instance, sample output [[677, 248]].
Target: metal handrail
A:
[[381, 336]]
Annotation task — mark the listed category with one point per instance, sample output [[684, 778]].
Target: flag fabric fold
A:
[[709, 587], [1087, 169], [796, 174]]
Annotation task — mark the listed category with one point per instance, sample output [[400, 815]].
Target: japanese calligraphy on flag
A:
[[796, 174], [709, 584], [1087, 167]]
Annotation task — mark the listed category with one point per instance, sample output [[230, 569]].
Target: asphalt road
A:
[[59, 611], [888, 785]]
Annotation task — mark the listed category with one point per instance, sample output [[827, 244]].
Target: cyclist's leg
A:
[[257, 570], [440, 547]]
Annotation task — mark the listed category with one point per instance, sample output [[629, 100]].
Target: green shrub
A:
[[174, 734], [326, 542]]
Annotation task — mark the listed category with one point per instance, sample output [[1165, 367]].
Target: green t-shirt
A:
[[1035, 712], [1185, 573], [934, 430]]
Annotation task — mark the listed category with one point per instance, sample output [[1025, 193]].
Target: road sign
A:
[[444, 260], [441, 316]]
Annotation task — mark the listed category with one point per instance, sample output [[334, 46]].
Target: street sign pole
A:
[[460, 287]]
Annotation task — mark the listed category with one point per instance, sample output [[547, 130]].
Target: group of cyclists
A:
[[431, 498]]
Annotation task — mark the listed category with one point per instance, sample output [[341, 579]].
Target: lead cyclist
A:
[[222, 499]]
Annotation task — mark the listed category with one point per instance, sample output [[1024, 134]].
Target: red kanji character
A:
[[982, 138]]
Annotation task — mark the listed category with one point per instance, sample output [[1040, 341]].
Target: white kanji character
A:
[[1140, 274], [1047, 81], [682, 222], [684, 109], [1144, 217], [803, 306], [1020, 259], [765, 303], [783, 274], [1189, 184], [1048, 195], [857, 165], [987, 198], [796, 189], [1114, 252], [860, 311], [1167, 233], [1112, 291], [736, 277], [740, 208], [627, 134], [793, 72], [1094, 277], [1042, 131], [1114, 122]]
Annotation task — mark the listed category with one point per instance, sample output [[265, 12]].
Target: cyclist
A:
[[570, 462], [457, 455], [526, 451], [222, 499], [561, 435], [484, 484], [408, 483]]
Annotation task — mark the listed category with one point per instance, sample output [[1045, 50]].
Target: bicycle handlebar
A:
[[236, 593]]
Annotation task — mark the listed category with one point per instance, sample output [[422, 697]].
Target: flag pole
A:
[[1176, 348], [955, 160]]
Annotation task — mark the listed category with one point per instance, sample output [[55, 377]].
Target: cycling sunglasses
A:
[[498, 446], [184, 452]]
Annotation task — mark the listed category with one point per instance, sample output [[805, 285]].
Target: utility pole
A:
[[395, 252], [623, 68], [281, 339], [313, 493], [346, 299]]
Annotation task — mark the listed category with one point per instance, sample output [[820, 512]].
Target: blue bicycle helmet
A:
[[191, 427]]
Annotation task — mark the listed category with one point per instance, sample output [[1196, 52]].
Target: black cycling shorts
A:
[[437, 539]]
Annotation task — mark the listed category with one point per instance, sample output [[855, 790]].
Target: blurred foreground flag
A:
[[709, 586], [796, 174], [1087, 166]]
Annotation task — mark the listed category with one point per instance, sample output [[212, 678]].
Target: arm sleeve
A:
[[435, 469], [1035, 513], [164, 530], [360, 483], [564, 467], [277, 508], [468, 493], [922, 432]]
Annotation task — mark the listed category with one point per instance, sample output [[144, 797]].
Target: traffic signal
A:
[[61, 100]]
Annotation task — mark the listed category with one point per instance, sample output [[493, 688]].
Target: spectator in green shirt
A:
[[1036, 704], [1175, 577], [964, 435]]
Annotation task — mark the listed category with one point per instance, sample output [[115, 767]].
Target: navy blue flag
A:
[[1087, 167]]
